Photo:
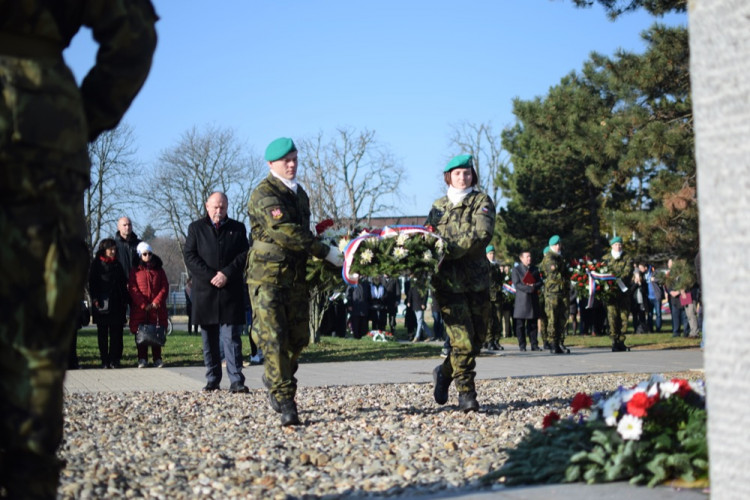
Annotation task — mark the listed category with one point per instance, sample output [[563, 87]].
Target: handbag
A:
[[103, 307], [151, 335]]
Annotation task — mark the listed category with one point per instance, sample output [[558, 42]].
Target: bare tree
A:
[[186, 175], [350, 178], [490, 161], [113, 164]]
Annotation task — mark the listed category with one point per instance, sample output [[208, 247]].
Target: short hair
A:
[[106, 244], [474, 177]]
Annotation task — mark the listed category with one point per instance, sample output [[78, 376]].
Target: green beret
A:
[[554, 240], [489, 249], [279, 148], [460, 161], [546, 249], [614, 240]]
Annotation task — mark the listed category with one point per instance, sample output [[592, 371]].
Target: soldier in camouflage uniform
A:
[[495, 327], [276, 269], [46, 121], [542, 323], [556, 295], [465, 218], [618, 303]]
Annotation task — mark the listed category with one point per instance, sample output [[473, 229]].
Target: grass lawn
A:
[[185, 350]]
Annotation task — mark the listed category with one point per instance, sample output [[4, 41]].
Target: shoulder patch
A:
[[276, 213]]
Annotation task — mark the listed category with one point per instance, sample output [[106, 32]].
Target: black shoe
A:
[[211, 388], [556, 349], [442, 383], [522, 349], [619, 346], [238, 388], [467, 401], [273, 403], [535, 348], [546, 346], [289, 413]]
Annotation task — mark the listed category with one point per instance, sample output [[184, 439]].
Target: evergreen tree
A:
[[612, 146]]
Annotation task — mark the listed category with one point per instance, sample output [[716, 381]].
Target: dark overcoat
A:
[[527, 296], [207, 251]]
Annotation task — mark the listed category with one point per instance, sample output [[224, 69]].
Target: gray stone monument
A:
[[720, 69]]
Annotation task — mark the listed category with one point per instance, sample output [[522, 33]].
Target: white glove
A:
[[335, 256]]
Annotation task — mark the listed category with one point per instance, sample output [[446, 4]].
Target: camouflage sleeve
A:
[[126, 36], [284, 230], [483, 217]]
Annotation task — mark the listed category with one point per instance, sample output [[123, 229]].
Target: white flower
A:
[[366, 256], [439, 245], [611, 409], [668, 388], [343, 242], [400, 252], [698, 386], [630, 427], [401, 240], [427, 256]]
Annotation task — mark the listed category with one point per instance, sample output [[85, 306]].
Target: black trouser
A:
[[112, 335], [526, 327]]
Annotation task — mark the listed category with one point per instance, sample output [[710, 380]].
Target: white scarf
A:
[[291, 184], [616, 255], [456, 196]]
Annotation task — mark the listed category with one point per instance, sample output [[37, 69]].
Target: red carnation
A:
[[323, 225], [550, 419], [640, 403], [581, 401], [684, 386]]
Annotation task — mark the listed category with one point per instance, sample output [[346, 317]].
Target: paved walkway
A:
[[510, 363]]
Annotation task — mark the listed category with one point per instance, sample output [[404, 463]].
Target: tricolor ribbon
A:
[[593, 276], [509, 288], [386, 232]]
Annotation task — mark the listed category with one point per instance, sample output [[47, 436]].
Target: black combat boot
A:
[[467, 401], [275, 406], [556, 349], [546, 346], [289, 413], [442, 383], [619, 346]]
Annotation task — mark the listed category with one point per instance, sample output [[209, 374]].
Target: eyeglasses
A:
[[146, 253]]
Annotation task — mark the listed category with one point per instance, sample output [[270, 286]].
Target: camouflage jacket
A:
[[467, 229], [497, 277], [45, 118], [556, 274], [623, 269], [282, 239]]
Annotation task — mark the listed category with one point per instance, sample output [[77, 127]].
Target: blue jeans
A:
[[421, 324], [230, 338], [654, 313], [437, 324]]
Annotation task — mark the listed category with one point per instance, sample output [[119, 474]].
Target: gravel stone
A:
[[355, 441]]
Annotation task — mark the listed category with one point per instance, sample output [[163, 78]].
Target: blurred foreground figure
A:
[[46, 121]]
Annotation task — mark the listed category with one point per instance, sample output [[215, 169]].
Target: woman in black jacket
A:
[[109, 298]]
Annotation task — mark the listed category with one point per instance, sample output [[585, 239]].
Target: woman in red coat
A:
[[148, 287]]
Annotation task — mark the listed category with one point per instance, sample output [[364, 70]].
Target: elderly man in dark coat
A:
[[527, 282], [215, 254]]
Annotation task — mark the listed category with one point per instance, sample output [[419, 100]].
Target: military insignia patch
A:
[[485, 209], [276, 213]]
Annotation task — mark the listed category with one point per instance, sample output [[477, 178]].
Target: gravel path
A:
[[356, 441]]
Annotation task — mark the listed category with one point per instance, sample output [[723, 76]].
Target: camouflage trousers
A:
[[618, 310], [465, 316], [44, 261], [495, 326], [281, 330], [556, 308], [542, 322]]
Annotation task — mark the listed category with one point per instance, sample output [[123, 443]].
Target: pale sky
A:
[[409, 70]]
